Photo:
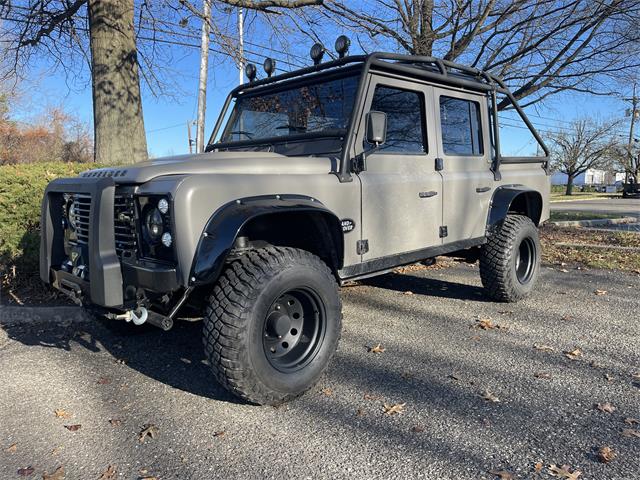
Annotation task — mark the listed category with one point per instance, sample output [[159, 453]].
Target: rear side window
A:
[[405, 119], [461, 130]]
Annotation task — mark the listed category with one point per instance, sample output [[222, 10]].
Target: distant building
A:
[[590, 177]]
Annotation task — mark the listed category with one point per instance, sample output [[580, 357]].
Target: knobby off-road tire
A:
[[510, 260], [272, 324]]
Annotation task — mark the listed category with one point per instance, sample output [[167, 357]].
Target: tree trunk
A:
[[569, 190], [117, 105]]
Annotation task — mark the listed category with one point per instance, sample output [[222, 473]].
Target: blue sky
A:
[[166, 117]]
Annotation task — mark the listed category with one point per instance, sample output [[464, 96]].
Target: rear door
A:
[[401, 190], [464, 147]]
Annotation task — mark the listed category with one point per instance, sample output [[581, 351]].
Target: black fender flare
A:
[[225, 224], [527, 200]]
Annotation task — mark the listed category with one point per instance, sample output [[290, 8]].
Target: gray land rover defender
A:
[[339, 171]]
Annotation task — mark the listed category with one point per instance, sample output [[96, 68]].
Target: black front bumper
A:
[[112, 283]]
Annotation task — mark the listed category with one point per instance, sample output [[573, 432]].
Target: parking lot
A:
[[480, 387]]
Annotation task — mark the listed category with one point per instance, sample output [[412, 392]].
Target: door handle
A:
[[482, 189], [428, 194]]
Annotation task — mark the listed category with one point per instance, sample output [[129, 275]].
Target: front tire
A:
[[510, 260], [272, 324]]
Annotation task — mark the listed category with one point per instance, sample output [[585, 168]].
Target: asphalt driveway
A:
[[475, 400]]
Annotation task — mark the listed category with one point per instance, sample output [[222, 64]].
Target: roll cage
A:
[[415, 66]]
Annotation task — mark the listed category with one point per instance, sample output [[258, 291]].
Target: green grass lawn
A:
[[557, 196], [569, 216]]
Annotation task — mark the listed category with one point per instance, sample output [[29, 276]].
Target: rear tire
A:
[[510, 260], [272, 324]]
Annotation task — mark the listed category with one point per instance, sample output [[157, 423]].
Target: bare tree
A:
[[539, 47], [119, 40], [587, 144]]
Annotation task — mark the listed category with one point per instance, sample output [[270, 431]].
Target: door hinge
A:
[[362, 247], [439, 164], [443, 231]]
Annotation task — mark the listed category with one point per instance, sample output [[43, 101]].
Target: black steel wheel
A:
[[273, 324], [510, 260], [294, 330]]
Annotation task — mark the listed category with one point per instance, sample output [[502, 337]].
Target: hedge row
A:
[[21, 190]]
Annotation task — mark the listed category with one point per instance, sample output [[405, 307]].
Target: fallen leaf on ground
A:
[[537, 467], [630, 432], [360, 412], [60, 413], [370, 396], [393, 409], [542, 375], [573, 354], [148, 430], [56, 450], [502, 474], [631, 421], [606, 454], [635, 376], [58, 474], [489, 397], [595, 364], [417, 429], [377, 349], [73, 428], [326, 391], [408, 292], [597, 291], [219, 433], [566, 318], [485, 323], [103, 381], [108, 473], [115, 422], [25, 472], [606, 407], [13, 448], [542, 347], [564, 472], [608, 377]]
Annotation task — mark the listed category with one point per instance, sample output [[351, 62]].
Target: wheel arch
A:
[[283, 220], [513, 199]]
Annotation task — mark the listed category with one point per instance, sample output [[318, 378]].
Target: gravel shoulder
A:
[[436, 361]]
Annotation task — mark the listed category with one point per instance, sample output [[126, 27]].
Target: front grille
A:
[[82, 206], [124, 216]]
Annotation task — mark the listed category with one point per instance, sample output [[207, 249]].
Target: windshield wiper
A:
[[242, 132], [295, 128]]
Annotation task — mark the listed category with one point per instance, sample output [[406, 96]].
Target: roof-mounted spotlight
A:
[[269, 66], [251, 71], [342, 45], [316, 53]]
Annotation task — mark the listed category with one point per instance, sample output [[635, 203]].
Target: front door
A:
[[401, 190], [464, 148]]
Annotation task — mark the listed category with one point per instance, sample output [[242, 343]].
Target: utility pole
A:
[[634, 113], [189, 136], [204, 64], [241, 45]]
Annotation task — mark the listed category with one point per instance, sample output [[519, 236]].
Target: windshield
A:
[[321, 107]]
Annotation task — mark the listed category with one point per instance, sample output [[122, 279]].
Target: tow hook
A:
[[138, 317], [142, 315]]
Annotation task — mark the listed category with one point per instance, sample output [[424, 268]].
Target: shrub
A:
[[21, 190]]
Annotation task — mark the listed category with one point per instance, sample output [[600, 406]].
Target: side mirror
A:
[[376, 127]]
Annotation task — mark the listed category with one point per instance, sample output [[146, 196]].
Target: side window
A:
[[461, 126], [405, 119]]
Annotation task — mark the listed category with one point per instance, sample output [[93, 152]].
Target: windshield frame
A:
[[355, 70]]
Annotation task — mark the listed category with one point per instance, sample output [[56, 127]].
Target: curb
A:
[[583, 199], [595, 223]]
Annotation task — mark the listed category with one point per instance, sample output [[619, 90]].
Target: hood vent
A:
[[104, 173]]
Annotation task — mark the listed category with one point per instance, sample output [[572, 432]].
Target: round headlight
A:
[[167, 240], [153, 224], [72, 215], [163, 206]]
